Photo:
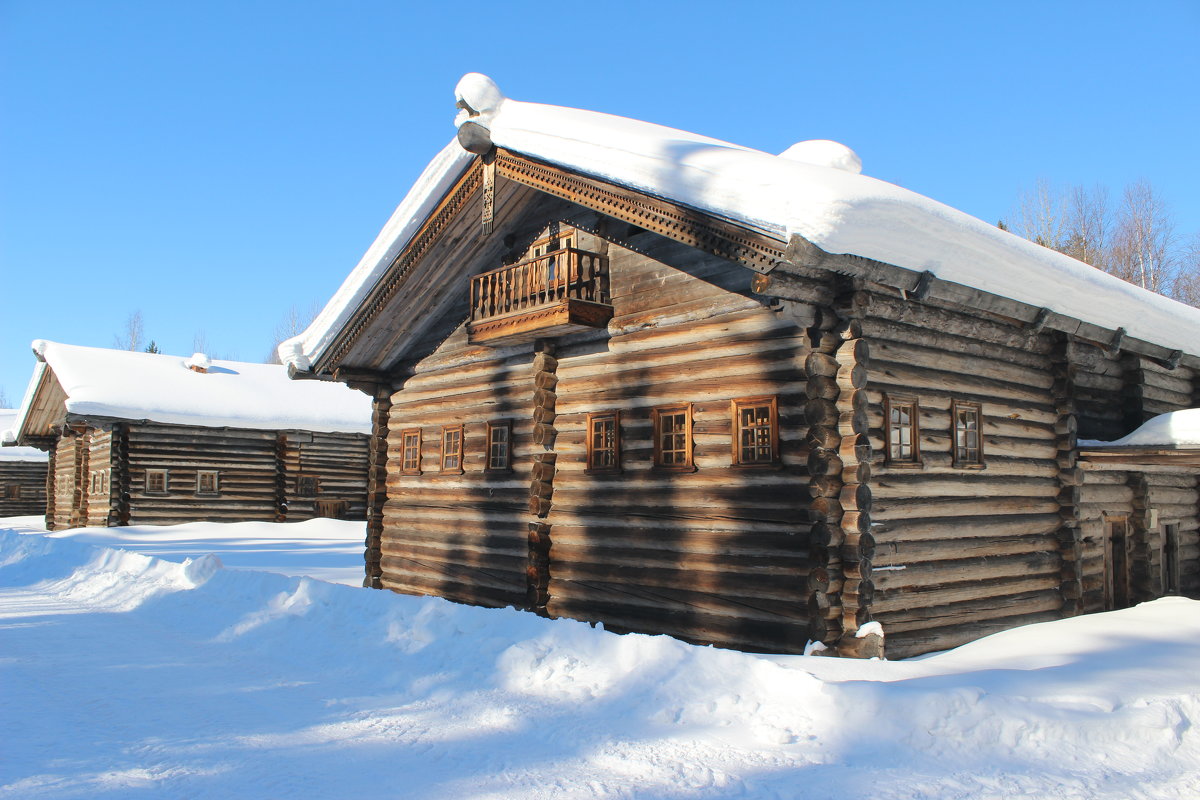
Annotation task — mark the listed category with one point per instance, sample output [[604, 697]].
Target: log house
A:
[[22, 475], [192, 440], [661, 382]]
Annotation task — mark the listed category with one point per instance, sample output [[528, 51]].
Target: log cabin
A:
[[632, 375], [149, 439], [22, 475]]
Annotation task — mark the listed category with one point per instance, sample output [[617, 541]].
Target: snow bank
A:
[[1173, 429], [126, 675], [812, 189], [163, 388], [11, 452]]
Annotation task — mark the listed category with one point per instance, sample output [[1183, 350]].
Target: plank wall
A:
[[30, 476], [99, 503], [962, 552]]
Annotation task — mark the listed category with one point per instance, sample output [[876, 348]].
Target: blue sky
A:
[[214, 164]]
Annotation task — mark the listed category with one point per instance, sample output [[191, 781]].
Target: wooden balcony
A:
[[551, 295]]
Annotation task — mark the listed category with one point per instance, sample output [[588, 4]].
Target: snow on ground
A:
[[125, 675]]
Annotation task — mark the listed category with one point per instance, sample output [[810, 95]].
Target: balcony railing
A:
[[542, 282]]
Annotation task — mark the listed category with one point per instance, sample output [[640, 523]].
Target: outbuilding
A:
[[150, 439], [22, 475]]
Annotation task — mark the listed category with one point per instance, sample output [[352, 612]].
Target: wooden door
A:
[[1116, 563]]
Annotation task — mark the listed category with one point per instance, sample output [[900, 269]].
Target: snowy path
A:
[[125, 676]]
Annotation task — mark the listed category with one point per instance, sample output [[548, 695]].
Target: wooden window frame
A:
[[959, 461], [656, 415], [316, 485], [498, 425], [405, 434], [592, 419], [12, 491], [166, 476], [891, 401], [461, 454], [736, 406], [216, 483]]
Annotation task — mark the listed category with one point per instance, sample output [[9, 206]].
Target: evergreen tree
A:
[[152, 347]]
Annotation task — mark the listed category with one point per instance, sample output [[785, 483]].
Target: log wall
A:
[[962, 552], [22, 487], [338, 461]]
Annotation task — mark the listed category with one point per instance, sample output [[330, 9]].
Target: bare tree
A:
[[294, 323], [1087, 225], [1143, 238], [1186, 286], [131, 337], [3, 398], [1041, 215]]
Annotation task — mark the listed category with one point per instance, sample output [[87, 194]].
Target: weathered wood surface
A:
[[22, 487]]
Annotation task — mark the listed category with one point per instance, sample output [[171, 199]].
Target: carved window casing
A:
[[157, 481], [410, 452], [901, 417], [673, 438], [452, 448], [499, 446], [604, 441], [755, 431], [968, 436], [206, 482]]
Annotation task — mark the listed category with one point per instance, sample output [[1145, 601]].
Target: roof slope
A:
[[147, 386], [814, 189], [8, 418]]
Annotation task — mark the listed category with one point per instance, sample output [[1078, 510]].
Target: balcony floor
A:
[[543, 322]]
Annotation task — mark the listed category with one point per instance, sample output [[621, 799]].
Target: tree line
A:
[[1133, 237]]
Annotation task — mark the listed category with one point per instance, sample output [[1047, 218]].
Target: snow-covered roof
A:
[[813, 189], [148, 386], [1175, 429], [12, 452]]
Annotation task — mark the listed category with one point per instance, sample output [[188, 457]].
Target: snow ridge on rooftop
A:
[[813, 189], [10, 451]]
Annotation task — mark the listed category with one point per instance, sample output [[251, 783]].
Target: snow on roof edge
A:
[[1179, 429], [822, 199]]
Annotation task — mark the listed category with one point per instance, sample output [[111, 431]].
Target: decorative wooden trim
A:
[[753, 249], [452, 452], [396, 274], [959, 458], [688, 464], [490, 441], [407, 466], [593, 453], [889, 455], [735, 407]]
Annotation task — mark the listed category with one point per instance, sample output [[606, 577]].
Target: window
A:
[[306, 486], [1170, 559], [156, 481], [499, 446], [755, 431], [206, 482], [410, 456], [604, 441], [97, 482], [900, 415], [14, 491], [968, 444], [673, 437], [452, 448]]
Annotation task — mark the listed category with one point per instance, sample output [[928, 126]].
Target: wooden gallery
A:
[[148, 439], [629, 374], [22, 475]]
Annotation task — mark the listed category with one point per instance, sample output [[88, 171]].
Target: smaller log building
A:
[[149, 439], [22, 475]]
